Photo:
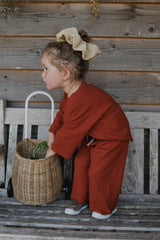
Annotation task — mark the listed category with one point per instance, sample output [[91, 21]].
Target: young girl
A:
[[88, 118]]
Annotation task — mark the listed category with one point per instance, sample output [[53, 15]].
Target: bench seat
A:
[[136, 218]]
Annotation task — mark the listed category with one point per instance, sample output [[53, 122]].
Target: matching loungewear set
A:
[[91, 120]]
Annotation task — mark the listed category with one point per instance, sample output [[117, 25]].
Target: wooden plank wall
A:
[[127, 32]]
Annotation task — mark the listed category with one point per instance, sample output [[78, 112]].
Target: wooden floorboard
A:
[[133, 220]]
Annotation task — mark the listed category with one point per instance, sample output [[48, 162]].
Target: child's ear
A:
[[66, 73]]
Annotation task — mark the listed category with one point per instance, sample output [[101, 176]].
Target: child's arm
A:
[[58, 121], [50, 153], [50, 141]]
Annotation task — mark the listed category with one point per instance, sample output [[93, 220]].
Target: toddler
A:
[[88, 118]]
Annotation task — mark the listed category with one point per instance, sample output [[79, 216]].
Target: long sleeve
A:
[[58, 121], [75, 127], [89, 111]]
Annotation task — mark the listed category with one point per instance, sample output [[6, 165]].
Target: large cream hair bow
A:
[[89, 51]]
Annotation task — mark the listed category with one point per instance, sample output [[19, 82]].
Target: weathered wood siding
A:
[[127, 32]]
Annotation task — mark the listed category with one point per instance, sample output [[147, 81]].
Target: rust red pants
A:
[[98, 174]]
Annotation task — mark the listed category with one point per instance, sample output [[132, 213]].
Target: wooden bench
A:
[[142, 166], [142, 155], [139, 202], [12, 131]]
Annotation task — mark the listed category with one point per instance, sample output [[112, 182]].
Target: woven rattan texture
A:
[[35, 182]]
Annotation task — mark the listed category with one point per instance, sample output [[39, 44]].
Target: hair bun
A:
[[84, 36]]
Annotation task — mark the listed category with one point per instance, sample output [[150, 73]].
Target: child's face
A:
[[51, 75]]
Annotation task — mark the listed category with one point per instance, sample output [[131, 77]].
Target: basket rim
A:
[[29, 159]]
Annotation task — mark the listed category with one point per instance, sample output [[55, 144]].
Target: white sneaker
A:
[[75, 208], [102, 216]]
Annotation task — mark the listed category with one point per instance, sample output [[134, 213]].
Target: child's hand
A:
[[50, 140], [49, 153]]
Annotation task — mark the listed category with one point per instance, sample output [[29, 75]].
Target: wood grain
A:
[[124, 87], [133, 220], [86, 1], [2, 141], [127, 33], [114, 20], [153, 161], [117, 54]]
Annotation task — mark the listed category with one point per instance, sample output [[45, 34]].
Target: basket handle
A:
[[26, 108]]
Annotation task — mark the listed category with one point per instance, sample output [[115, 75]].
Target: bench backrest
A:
[[141, 171]]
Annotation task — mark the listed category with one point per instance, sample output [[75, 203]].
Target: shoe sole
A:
[[73, 212], [101, 216]]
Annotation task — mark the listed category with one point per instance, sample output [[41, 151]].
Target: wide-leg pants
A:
[[98, 174]]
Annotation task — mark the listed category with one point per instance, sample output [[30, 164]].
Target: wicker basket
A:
[[35, 182]]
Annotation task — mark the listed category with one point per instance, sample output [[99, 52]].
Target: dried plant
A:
[[94, 6], [8, 9]]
